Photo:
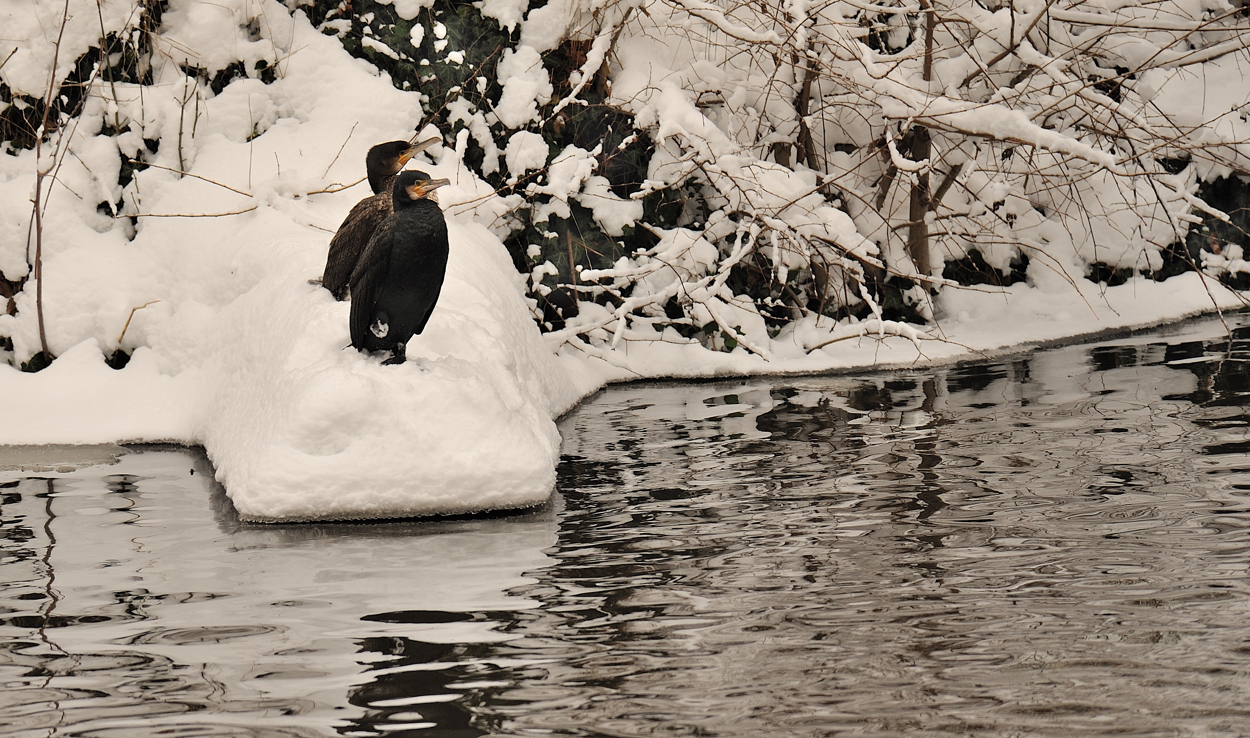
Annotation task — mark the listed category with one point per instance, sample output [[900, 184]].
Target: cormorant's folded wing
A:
[[367, 278], [350, 240]]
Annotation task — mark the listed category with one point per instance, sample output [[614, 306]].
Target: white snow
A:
[[300, 422], [544, 27], [526, 150], [212, 36], [379, 47], [507, 12], [526, 85], [235, 350], [29, 37], [408, 9], [612, 212]]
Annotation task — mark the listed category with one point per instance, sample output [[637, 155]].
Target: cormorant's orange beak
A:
[[417, 148], [423, 187]]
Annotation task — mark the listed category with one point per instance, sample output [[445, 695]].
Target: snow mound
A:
[[303, 427]]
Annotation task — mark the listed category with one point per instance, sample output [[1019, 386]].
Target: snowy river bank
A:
[[299, 429]]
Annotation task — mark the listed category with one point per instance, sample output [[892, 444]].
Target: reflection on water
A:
[[1055, 545]]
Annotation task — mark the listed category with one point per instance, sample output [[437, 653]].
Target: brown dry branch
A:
[[181, 173], [336, 187], [40, 174], [130, 317], [339, 153], [190, 215]]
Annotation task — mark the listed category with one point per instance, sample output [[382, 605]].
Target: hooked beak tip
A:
[[424, 187], [417, 148]]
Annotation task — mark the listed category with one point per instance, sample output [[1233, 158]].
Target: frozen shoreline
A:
[[60, 458]]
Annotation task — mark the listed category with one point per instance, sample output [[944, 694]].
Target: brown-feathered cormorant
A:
[[382, 164], [398, 278]]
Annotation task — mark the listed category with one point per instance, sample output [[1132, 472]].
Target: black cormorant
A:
[[382, 164], [398, 278]]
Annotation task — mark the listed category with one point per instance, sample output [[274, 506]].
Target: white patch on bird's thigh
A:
[[379, 328]]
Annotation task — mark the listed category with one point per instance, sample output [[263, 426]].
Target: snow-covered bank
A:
[[234, 349], [301, 429], [972, 324]]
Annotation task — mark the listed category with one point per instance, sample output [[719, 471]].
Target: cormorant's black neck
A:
[[383, 162], [380, 178]]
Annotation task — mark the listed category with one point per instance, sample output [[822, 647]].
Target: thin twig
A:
[[331, 189], [189, 174], [188, 215], [132, 315], [340, 152], [40, 174]]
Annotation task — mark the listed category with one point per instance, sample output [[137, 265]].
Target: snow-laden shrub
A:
[[107, 102], [838, 158], [687, 170]]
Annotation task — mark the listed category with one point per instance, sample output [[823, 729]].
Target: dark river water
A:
[[1052, 545]]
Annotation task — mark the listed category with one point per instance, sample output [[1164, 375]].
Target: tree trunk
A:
[[918, 228], [921, 148]]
